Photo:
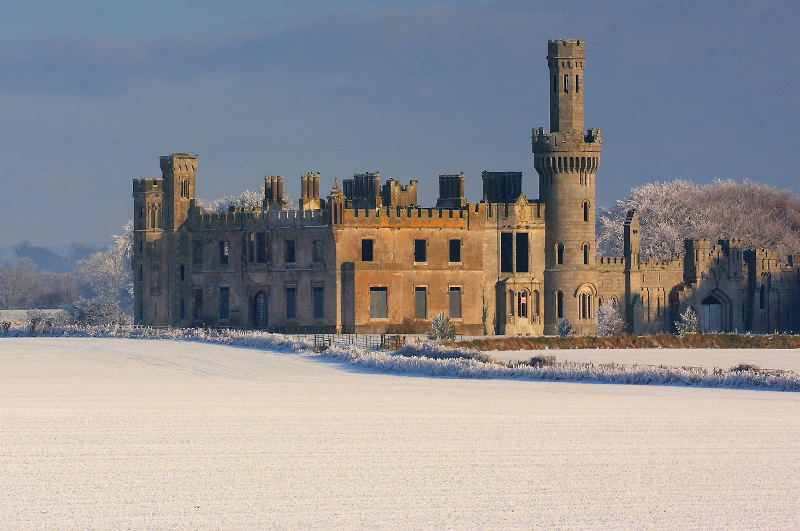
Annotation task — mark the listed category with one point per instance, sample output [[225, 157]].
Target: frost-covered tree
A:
[[609, 319], [564, 328], [670, 212], [247, 199], [689, 323], [442, 327], [106, 281]]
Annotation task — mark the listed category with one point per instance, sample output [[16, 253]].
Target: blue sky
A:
[[91, 93]]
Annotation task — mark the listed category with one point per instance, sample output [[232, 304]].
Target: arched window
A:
[[559, 304], [522, 304], [560, 253], [152, 217], [585, 305], [586, 253], [586, 211], [185, 188]]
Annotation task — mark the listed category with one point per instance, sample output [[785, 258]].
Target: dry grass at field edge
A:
[[630, 341]]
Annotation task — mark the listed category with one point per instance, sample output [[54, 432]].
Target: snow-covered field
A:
[[143, 433], [724, 358]]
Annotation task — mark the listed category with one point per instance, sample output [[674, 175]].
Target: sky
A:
[[92, 93]]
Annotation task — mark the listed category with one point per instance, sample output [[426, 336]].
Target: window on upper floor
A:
[[455, 251], [289, 251], [507, 252], [522, 252], [367, 248], [420, 250], [559, 253], [317, 251], [224, 252]]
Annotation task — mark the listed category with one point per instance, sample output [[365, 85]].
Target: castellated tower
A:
[[567, 160]]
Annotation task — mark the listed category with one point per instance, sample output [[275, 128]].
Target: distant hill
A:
[[56, 258]]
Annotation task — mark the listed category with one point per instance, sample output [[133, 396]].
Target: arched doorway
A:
[[711, 314], [260, 311]]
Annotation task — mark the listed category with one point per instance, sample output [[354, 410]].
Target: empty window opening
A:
[[522, 252], [182, 274], [420, 302], [762, 297], [455, 302], [420, 250], [586, 253], [224, 303], [261, 247], [560, 253], [586, 211], [198, 303], [455, 250], [560, 304], [535, 303], [197, 252], [585, 300], [289, 251], [367, 248], [506, 252], [224, 252], [378, 302], [566, 83], [291, 302], [251, 247], [318, 293], [577, 83], [317, 250]]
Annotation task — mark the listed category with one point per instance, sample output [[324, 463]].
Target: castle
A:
[[369, 259]]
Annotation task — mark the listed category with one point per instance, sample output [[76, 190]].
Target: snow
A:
[[142, 433], [786, 359]]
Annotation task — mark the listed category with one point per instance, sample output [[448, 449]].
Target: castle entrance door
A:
[[260, 311], [711, 315]]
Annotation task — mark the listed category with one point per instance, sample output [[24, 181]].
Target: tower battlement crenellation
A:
[[541, 141]]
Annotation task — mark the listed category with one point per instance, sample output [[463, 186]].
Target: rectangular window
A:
[[317, 250], [224, 303], [455, 303], [291, 302], [182, 274], [420, 302], [506, 252], [141, 247], [522, 252], [378, 303], [224, 252], [566, 83], [251, 247], [318, 302], [420, 250], [261, 247], [367, 247], [197, 252], [198, 303], [141, 273], [455, 250], [183, 309], [288, 251]]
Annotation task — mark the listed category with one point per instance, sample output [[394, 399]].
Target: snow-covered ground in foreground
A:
[[724, 358], [142, 433]]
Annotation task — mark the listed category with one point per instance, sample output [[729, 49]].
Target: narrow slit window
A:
[[577, 83], [566, 82]]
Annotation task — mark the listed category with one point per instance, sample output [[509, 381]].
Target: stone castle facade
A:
[[368, 258]]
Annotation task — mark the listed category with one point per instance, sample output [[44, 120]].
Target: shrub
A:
[[689, 323], [745, 367], [609, 319], [97, 311], [540, 361], [33, 318], [565, 328], [442, 327], [5, 326]]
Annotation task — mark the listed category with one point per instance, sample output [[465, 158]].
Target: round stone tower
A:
[[567, 160]]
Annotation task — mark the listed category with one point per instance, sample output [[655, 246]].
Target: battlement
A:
[[178, 162], [250, 218], [147, 185], [541, 141], [566, 49]]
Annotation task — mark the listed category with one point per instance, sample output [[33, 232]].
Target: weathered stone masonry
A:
[[369, 258]]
